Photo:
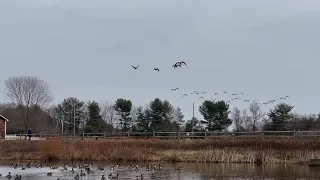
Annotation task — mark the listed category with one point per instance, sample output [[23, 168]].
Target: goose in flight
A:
[[174, 89], [176, 65], [215, 93], [241, 93], [135, 67], [246, 100], [156, 69], [184, 95], [225, 92], [236, 98], [193, 92], [228, 102], [179, 64], [203, 92], [201, 97], [234, 94], [182, 62]]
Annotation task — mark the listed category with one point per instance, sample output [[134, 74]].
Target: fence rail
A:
[[173, 135]]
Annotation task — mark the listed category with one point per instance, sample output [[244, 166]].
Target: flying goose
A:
[[135, 67]]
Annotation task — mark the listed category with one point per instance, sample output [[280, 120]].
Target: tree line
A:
[[29, 98]]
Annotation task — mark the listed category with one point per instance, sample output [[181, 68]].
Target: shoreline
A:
[[258, 151]]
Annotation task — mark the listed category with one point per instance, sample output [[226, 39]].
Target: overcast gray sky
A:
[[85, 49]]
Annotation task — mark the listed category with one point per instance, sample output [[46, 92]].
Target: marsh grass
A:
[[217, 151]]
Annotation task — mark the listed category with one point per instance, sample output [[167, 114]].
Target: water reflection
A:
[[190, 171]]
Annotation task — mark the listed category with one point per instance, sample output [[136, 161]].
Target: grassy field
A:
[[219, 150]]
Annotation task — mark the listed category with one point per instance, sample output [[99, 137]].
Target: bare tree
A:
[[133, 115], [54, 115], [237, 119], [29, 94], [246, 121], [108, 112], [256, 113]]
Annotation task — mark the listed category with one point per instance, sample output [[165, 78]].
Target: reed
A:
[[217, 151]]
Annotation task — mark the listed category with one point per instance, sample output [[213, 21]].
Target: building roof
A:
[[4, 118]]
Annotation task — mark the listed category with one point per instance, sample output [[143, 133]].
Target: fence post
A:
[[20, 135], [128, 133], [104, 135], [179, 134], [233, 135], [205, 134], [153, 134], [40, 135], [82, 134]]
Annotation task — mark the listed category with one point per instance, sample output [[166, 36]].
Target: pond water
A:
[[189, 171]]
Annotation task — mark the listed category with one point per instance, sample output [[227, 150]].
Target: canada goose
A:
[[201, 97], [193, 92], [184, 95], [156, 69], [53, 167], [18, 177], [77, 177], [179, 169], [176, 65], [203, 92], [182, 62], [135, 67], [0, 175], [215, 93], [82, 173], [103, 178], [174, 89], [225, 92], [9, 176], [72, 171], [49, 174], [23, 168], [140, 176], [246, 100], [234, 94]]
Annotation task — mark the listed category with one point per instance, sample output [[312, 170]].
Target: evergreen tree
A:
[[70, 110], [123, 108], [216, 115], [142, 121], [280, 116], [160, 114], [95, 123]]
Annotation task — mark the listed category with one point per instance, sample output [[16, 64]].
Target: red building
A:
[[3, 126]]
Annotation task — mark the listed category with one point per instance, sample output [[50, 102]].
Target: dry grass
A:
[[233, 151]]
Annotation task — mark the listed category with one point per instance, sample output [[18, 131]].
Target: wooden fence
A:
[[174, 135]]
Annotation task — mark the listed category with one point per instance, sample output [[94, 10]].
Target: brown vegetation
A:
[[233, 151]]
